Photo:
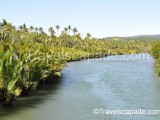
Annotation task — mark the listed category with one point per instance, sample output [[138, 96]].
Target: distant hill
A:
[[138, 37], [146, 36]]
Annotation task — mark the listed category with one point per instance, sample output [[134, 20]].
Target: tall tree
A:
[[31, 28], [4, 22], [88, 36], [40, 30], [57, 27], [65, 29], [69, 28], [75, 30], [51, 31], [36, 29]]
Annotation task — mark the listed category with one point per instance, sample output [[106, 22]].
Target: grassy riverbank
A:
[[29, 57]]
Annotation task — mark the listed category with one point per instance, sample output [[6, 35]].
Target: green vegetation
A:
[[156, 55], [29, 57]]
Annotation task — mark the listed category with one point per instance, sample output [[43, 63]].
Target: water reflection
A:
[[32, 100]]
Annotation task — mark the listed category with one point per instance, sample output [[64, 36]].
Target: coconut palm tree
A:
[[36, 30], [75, 30], [65, 29], [57, 27], [25, 28], [4, 22], [88, 36], [20, 27], [51, 31], [69, 28], [31, 28], [40, 30]]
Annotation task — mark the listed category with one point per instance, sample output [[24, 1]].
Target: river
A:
[[123, 82]]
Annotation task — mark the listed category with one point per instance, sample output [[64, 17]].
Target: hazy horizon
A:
[[103, 18]]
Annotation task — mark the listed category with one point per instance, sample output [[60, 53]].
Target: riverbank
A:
[[31, 58], [89, 84], [156, 54]]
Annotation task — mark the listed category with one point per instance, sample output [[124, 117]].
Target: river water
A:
[[124, 82]]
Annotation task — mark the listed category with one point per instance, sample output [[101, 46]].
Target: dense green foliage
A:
[[156, 50], [156, 55], [29, 57]]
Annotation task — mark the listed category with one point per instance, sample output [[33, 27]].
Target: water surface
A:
[[115, 82]]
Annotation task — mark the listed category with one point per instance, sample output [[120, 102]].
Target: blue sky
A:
[[101, 18]]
